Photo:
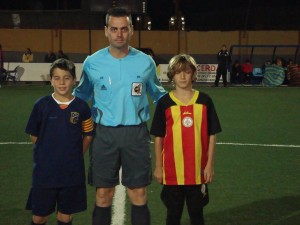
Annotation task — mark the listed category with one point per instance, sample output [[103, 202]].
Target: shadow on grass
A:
[[281, 211]]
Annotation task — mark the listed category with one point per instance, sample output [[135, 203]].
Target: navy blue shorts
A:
[[67, 200]]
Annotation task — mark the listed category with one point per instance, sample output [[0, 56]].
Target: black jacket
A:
[[224, 59]]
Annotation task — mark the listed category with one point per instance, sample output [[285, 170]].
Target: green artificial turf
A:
[[257, 162]]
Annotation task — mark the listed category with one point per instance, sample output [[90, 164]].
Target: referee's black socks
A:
[[140, 215], [102, 215]]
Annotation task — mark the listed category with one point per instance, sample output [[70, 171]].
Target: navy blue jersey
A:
[[58, 154]]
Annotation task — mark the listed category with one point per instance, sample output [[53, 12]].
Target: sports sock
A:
[[197, 217], [32, 223], [102, 215], [140, 215], [62, 223]]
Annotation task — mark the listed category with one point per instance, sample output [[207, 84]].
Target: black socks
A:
[[140, 215], [102, 215]]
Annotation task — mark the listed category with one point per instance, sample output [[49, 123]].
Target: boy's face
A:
[[62, 82], [184, 79]]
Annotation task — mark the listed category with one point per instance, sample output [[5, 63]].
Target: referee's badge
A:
[[136, 89], [74, 117]]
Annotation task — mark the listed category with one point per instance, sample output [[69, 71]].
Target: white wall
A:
[[36, 71], [40, 71]]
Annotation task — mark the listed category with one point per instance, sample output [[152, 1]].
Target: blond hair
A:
[[180, 63]]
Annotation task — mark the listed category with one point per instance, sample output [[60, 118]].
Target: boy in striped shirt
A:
[[185, 124]]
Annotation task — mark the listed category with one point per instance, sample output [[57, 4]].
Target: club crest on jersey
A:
[[136, 89], [74, 117], [187, 121]]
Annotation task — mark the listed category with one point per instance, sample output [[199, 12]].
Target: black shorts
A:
[[126, 147], [67, 200], [174, 196]]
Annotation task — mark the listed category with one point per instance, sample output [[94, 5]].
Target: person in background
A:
[[185, 124], [61, 128], [263, 68], [2, 70], [289, 64], [118, 79], [247, 69], [224, 60], [61, 54], [235, 73], [27, 56], [278, 62], [1, 58], [293, 74], [50, 57]]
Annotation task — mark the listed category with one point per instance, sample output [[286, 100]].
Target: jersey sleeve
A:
[[87, 122], [154, 86], [34, 122], [84, 90], [158, 127], [214, 125], [88, 127]]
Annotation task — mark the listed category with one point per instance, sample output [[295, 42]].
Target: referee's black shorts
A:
[[126, 147]]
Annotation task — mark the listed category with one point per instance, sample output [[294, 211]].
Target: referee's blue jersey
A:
[[118, 87]]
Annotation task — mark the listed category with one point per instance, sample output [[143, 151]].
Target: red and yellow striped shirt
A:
[[186, 129]]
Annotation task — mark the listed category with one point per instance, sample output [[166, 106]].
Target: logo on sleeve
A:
[[136, 89], [74, 117]]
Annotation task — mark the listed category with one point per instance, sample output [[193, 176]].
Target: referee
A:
[[117, 79]]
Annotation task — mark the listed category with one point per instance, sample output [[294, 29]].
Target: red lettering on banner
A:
[[206, 67]]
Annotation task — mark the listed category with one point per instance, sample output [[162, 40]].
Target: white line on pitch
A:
[[15, 143], [218, 143], [260, 145], [119, 200]]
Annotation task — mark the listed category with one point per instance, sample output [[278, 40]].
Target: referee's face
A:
[[118, 32]]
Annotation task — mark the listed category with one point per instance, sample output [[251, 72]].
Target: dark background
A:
[[199, 14]]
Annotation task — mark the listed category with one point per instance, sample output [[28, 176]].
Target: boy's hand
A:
[[208, 174], [158, 174]]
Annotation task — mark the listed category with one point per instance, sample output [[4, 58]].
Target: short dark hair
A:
[[118, 12], [63, 64]]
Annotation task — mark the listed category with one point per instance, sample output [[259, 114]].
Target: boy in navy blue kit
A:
[[61, 129]]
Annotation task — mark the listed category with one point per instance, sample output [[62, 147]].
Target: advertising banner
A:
[[206, 73]]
